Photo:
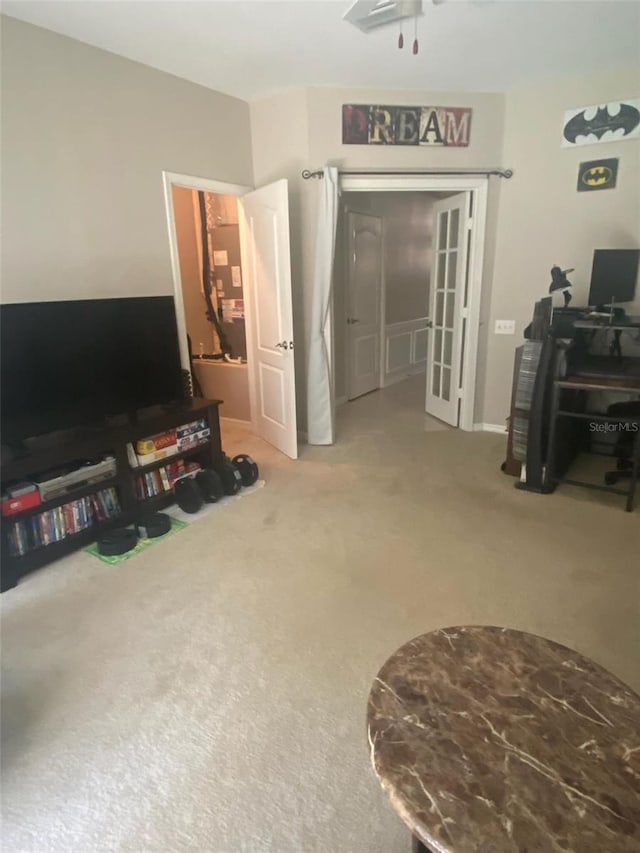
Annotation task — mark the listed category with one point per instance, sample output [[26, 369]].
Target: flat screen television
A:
[[66, 364], [614, 275]]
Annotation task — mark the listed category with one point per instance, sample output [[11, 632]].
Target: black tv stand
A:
[[92, 443], [57, 438], [153, 411]]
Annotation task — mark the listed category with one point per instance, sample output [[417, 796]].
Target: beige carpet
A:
[[209, 694]]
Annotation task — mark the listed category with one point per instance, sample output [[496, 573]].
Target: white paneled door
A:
[[448, 307], [264, 234], [364, 294]]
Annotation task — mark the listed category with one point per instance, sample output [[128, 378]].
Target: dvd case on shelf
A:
[[56, 524]]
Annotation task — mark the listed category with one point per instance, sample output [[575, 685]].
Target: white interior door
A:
[[364, 297], [447, 311], [266, 267]]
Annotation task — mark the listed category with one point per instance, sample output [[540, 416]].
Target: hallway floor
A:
[[398, 407], [209, 694]]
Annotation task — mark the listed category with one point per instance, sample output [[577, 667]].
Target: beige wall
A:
[[303, 130], [199, 328], [85, 138], [485, 149], [226, 382], [86, 135], [543, 220], [325, 130]]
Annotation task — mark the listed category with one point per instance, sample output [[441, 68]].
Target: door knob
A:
[[429, 324], [351, 321], [283, 345]]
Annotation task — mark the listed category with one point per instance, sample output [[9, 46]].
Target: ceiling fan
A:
[[369, 15]]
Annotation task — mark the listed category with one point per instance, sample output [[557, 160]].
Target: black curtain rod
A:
[[501, 173]]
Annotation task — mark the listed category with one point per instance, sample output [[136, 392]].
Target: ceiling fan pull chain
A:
[[415, 36], [400, 38]]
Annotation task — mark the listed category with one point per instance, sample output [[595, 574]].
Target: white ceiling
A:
[[250, 49]]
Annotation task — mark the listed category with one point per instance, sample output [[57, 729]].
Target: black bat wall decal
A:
[[628, 118]]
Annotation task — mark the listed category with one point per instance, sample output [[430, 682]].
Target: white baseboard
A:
[[235, 421], [499, 428]]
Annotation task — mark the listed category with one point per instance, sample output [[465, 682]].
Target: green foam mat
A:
[[143, 544]]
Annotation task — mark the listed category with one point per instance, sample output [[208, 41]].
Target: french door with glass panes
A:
[[447, 310]]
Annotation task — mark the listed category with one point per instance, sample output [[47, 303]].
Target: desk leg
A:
[[551, 442], [635, 463]]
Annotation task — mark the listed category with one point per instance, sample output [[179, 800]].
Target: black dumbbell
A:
[[248, 468], [210, 485], [118, 541], [230, 476], [152, 526], [188, 495]]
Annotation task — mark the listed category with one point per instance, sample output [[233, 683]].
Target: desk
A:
[[488, 739], [581, 385], [622, 324]]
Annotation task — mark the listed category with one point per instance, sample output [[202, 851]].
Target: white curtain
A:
[[320, 403]]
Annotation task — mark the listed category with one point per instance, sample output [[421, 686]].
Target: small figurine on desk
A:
[[559, 281]]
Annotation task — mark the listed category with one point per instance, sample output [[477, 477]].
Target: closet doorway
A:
[[259, 242]]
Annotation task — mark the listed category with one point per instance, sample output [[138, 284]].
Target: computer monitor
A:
[[613, 276]]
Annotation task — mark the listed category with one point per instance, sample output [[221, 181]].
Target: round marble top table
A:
[[488, 739]]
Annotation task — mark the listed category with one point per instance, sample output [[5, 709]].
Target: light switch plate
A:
[[505, 327]]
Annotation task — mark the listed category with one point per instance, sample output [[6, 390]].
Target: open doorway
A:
[[208, 243], [230, 257], [419, 315]]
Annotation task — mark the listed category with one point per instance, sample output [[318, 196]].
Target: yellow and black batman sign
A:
[[597, 175]]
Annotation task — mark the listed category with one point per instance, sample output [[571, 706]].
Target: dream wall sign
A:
[[602, 123], [371, 124]]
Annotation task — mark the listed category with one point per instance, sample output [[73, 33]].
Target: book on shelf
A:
[[168, 443], [160, 441], [164, 477], [156, 455], [190, 470], [188, 429], [153, 483], [132, 456], [194, 439], [54, 525], [175, 470]]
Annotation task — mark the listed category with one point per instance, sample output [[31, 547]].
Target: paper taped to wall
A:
[[232, 309]]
